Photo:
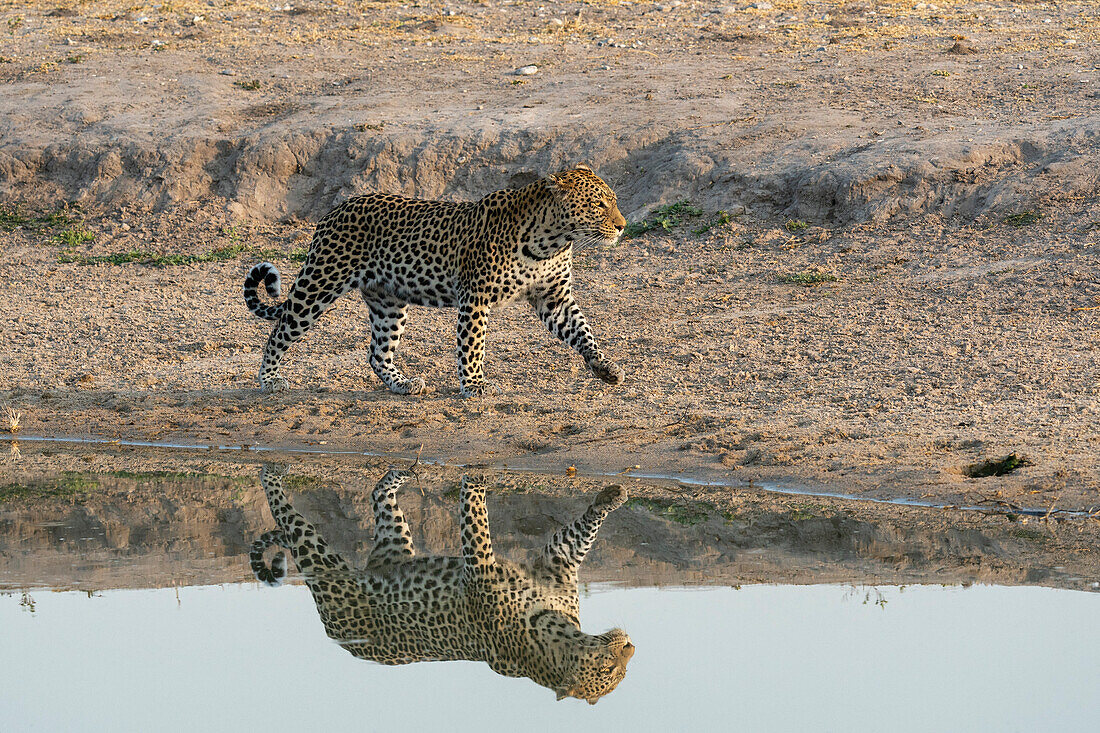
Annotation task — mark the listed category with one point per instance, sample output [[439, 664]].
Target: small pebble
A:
[[761, 6], [227, 72], [527, 70]]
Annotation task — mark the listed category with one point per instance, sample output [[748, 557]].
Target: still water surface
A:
[[759, 658]]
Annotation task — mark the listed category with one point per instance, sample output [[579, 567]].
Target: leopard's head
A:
[[600, 667], [589, 211]]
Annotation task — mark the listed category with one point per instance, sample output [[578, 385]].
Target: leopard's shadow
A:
[[521, 619]]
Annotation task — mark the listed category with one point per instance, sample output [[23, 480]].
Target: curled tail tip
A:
[[268, 274], [271, 576]]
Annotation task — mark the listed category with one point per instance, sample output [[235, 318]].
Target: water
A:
[[128, 603], [244, 657]]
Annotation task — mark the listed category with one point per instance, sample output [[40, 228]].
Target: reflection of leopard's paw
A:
[[474, 484], [607, 371], [610, 498], [273, 384], [394, 479], [273, 471]]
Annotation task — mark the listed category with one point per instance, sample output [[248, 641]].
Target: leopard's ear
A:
[[562, 694], [582, 167], [556, 183]]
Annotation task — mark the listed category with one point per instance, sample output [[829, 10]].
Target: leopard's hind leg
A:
[[320, 283], [392, 537], [388, 316], [308, 548]]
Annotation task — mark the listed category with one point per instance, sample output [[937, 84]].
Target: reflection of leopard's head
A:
[[590, 208], [601, 666]]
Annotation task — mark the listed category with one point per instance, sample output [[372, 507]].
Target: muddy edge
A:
[[144, 518]]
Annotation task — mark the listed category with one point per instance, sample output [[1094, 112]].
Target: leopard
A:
[[477, 257], [400, 607]]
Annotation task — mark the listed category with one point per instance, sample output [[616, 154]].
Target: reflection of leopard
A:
[[521, 619]]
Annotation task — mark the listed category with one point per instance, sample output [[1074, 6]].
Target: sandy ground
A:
[[949, 335]]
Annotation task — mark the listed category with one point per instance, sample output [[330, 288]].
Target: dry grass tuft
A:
[[13, 420]]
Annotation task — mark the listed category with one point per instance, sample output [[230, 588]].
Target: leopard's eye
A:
[[607, 670]]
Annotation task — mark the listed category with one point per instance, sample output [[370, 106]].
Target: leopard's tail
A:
[[274, 575], [265, 273]]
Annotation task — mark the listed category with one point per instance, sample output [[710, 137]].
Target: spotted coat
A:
[[512, 245], [523, 620]]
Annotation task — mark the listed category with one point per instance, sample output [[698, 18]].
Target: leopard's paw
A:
[[608, 371], [273, 384], [478, 388], [416, 385]]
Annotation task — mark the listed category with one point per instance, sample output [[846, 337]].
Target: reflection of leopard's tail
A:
[[274, 575], [265, 273]]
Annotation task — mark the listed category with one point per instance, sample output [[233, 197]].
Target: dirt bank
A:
[[835, 112]]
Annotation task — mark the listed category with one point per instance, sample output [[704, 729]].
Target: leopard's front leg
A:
[[473, 317], [565, 319]]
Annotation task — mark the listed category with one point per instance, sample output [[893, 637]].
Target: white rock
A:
[[762, 6], [527, 70]]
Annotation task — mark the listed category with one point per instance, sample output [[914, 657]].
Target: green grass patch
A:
[[722, 219], [1023, 218], [69, 485], [688, 513], [795, 225], [155, 259], [173, 476], [303, 483], [74, 237], [13, 218], [806, 278], [250, 85], [665, 218], [802, 512], [1025, 533]]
